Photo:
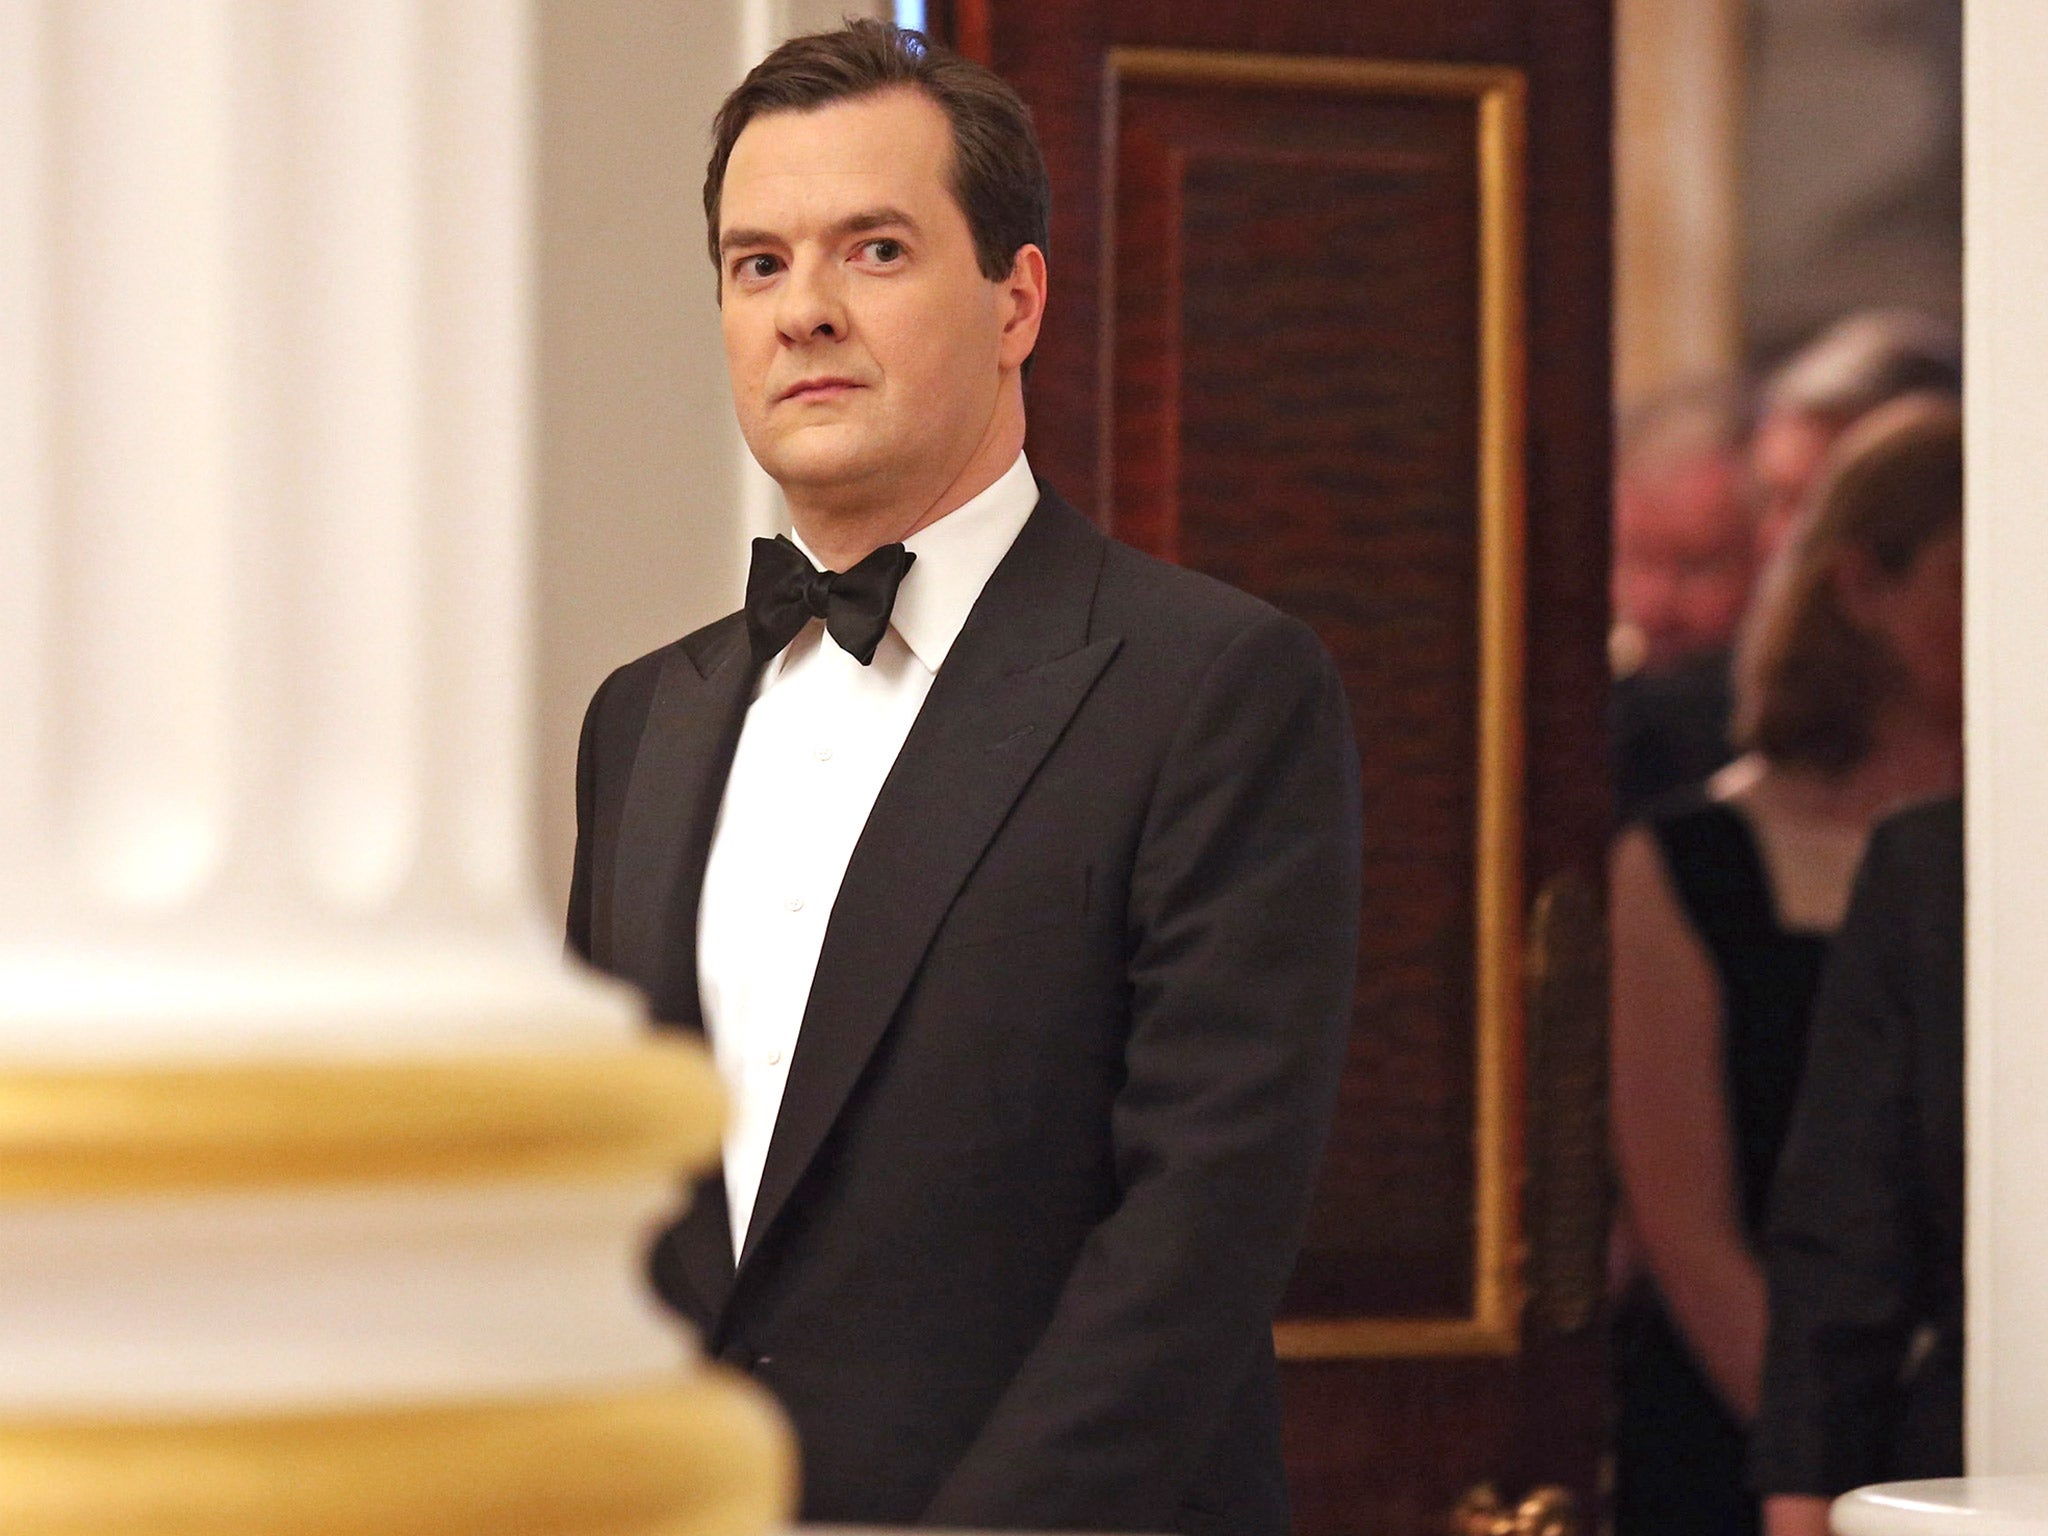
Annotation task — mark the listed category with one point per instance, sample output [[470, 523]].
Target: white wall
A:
[[1678, 80], [636, 460], [1849, 161], [645, 494], [2005, 279]]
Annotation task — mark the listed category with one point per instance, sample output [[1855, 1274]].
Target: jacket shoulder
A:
[[1183, 613], [1930, 834], [624, 697], [1167, 615], [1912, 875]]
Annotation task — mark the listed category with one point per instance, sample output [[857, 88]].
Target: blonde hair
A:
[[1809, 680]]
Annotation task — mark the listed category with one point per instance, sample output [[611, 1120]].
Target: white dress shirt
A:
[[820, 737]]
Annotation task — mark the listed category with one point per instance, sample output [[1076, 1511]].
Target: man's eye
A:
[[757, 266], [885, 250]]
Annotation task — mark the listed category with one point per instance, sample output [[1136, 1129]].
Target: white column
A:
[[1678, 81], [263, 696], [2005, 278], [264, 635]]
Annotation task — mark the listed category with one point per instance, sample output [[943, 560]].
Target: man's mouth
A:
[[811, 390]]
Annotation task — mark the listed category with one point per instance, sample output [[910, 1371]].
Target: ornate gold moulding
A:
[[650, 1109], [705, 1455], [710, 1457]]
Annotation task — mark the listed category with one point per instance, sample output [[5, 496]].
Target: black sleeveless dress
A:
[[1678, 1452]]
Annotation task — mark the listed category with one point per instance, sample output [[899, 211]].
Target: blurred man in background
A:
[[1684, 544], [1685, 556]]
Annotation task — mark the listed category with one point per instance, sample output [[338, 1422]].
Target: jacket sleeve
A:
[[580, 877], [1243, 916], [1840, 1255]]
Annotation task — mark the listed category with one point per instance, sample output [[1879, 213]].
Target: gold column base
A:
[[654, 1107], [705, 1455], [709, 1456]]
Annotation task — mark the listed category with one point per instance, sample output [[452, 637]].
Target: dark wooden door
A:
[[1329, 320]]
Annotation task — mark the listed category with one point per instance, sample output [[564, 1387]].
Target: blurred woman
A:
[[1848, 705]]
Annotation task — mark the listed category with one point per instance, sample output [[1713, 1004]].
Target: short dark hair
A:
[[999, 175]]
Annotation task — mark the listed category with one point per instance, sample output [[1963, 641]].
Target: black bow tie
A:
[[785, 592]]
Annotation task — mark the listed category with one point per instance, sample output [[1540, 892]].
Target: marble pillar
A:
[[302, 1114]]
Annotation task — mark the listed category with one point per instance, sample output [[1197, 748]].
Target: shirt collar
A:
[[955, 558]]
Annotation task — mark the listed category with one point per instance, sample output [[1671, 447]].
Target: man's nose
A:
[[812, 304]]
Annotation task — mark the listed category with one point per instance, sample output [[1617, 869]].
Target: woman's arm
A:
[[1671, 1126]]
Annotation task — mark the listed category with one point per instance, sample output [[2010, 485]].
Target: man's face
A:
[[865, 348], [1684, 554]]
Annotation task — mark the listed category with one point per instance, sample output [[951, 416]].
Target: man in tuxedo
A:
[[1012, 875]]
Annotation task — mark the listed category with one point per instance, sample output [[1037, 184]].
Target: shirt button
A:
[[794, 904], [775, 1058], [823, 754]]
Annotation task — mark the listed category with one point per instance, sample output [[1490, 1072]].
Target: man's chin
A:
[[819, 468]]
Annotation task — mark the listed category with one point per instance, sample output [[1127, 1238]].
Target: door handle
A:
[[1548, 1511], [1569, 1195]]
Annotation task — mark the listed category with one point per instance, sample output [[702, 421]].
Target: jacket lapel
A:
[[678, 779], [672, 799], [1021, 667]]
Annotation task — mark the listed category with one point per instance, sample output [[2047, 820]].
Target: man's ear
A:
[[1022, 296]]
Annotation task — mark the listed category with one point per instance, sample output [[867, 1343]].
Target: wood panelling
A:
[[1266, 356], [1267, 215], [1386, 1447]]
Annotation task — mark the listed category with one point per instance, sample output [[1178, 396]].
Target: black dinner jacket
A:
[[1863, 1370], [1048, 1135]]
